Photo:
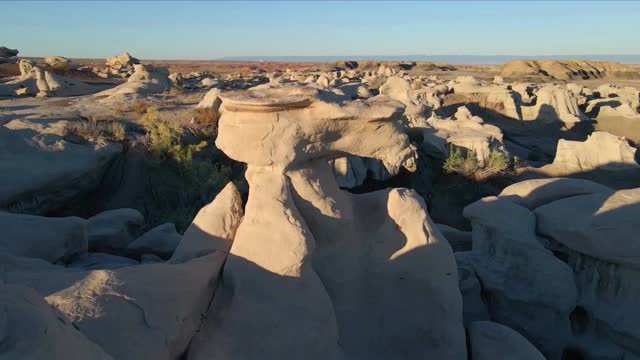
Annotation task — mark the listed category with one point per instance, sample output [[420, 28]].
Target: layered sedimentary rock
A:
[[600, 150], [314, 270], [567, 69], [561, 267]]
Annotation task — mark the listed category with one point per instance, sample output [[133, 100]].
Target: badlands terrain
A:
[[350, 210]]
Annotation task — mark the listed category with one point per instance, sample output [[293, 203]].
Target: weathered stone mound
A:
[[57, 62], [292, 272], [146, 80], [120, 66], [91, 305], [40, 171], [567, 69], [557, 260], [396, 65], [34, 80]]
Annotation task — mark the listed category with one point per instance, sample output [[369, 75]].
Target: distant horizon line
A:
[[446, 58]]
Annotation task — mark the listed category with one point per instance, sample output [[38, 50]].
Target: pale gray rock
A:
[[492, 341], [50, 239], [114, 230], [399, 89], [57, 62], [100, 261], [150, 259], [474, 307], [601, 150], [213, 228], [162, 241], [146, 80], [536, 303], [134, 312], [336, 263], [535, 193], [458, 239], [58, 171], [34, 80], [602, 225], [31, 329], [211, 100]]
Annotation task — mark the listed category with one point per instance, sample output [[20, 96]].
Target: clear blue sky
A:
[[210, 30]]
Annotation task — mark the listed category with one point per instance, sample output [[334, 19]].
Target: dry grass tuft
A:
[[92, 129]]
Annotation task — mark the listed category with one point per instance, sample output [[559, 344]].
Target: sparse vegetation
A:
[[205, 116], [460, 161], [498, 161], [465, 162], [140, 107], [93, 129], [182, 177]]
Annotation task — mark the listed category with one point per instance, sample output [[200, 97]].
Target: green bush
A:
[[182, 177], [497, 161], [460, 161], [465, 162]]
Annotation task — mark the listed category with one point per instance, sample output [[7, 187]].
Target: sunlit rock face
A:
[[314, 271], [103, 306], [146, 80], [34, 80], [557, 261]]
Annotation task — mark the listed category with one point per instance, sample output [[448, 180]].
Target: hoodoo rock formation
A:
[[34, 80], [314, 271], [145, 80], [111, 247]]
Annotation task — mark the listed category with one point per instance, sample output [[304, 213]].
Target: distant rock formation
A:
[[34, 80], [57, 62], [567, 69], [120, 66], [146, 80]]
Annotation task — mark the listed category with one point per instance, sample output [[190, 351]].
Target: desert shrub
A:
[[465, 163], [182, 177], [205, 116], [497, 161], [459, 161], [93, 129], [140, 107]]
